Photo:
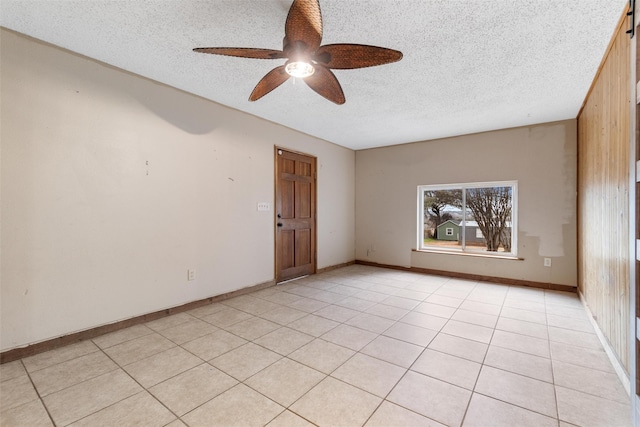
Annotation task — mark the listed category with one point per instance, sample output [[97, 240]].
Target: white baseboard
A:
[[622, 374]]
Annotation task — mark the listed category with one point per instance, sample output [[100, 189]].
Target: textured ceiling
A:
[[468, 66]]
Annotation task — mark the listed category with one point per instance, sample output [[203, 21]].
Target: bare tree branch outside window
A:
[[491, 209], [470, 216]]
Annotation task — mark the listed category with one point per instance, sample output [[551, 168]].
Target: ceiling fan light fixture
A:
[[307, 57], [299, 69]]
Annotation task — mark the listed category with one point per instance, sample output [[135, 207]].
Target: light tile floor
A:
[[351, 347]]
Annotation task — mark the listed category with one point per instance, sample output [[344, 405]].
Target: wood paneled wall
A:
[[603, 196]]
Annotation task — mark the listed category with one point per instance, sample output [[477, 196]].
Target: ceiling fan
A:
[[306, 58]]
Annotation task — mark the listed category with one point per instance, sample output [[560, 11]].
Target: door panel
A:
[[303, 247], [288, 196], [303, 200], [295, 215], [288, 166], [287, 242]]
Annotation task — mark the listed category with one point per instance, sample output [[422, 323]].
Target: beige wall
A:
[[91, 234], [541, 158]]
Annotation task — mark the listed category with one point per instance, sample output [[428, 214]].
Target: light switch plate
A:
[[264, 206]]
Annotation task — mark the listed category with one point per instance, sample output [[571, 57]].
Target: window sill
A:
[[471, 254]]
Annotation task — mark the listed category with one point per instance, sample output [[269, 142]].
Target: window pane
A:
[[474, 217], [490, 227], [442, 217]]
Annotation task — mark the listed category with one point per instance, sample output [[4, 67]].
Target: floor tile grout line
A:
[[145, 389], [555, 385], [410, 369], [99, 350], [40, 398], [591, 394], [117, 368], [60, 362], [351, 357], [323, 379], [553, 373], [74, 384], [207, 362], [516, 405], [377, 335], [549, 350], [122, 366], [238, 382], [122, 342], [482, 364], [285, 410], [216, 396], [445, 325]]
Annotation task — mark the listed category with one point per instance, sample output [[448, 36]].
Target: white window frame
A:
[[464, 249], [449, 231]]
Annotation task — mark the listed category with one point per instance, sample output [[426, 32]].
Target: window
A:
[[486, 214]]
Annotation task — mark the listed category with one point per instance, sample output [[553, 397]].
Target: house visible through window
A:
[[472, 217]]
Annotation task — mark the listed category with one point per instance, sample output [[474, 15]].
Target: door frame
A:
[[634, 216], [276, 148]]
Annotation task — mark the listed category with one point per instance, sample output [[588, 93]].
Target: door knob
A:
[[279, 224]]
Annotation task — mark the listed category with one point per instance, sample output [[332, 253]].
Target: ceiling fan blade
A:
[[348, 56], [269, 82], [243, 52], [304, 25], [325, 83]]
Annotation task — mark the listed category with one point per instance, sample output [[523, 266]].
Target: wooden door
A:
[[295, 215]]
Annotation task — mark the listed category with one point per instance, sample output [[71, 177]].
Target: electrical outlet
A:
[[547, 262], [191, 275]]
